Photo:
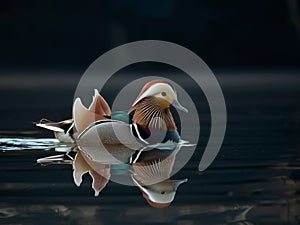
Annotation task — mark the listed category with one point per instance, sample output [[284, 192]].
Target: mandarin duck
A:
[[148, 121]]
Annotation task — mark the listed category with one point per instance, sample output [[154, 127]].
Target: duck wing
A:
[[108, 141]]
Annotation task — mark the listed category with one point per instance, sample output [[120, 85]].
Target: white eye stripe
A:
[[157, 89]]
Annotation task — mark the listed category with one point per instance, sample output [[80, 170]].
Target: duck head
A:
[[152, 106]]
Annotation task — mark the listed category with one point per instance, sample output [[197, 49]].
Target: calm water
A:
[[255, 179]]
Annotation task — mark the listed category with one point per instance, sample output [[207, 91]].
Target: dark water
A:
[[255, 178]]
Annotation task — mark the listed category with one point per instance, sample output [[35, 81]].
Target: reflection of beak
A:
[[178, 182], [178, 106]]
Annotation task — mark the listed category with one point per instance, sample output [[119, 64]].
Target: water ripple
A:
[[18, 144]]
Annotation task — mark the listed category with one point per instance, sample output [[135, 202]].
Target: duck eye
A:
[[162, 192], [164, 93]]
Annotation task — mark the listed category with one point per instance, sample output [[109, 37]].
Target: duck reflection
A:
[[149, 170], [152, 178]]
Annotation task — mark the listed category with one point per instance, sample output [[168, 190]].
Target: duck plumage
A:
[[149, 116]]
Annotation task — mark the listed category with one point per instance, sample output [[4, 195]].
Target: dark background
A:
[[68, 35], [251, 46]]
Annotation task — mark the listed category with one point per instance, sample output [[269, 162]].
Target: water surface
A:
[[255, 179]]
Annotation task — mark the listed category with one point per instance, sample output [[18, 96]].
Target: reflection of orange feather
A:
[[101, 169], [99, 182], [100, 173]]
